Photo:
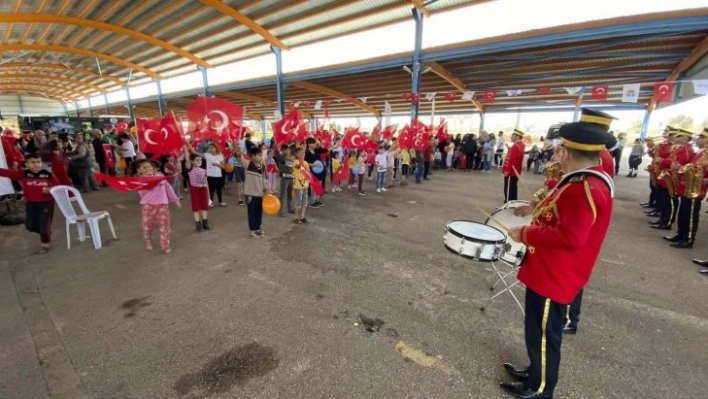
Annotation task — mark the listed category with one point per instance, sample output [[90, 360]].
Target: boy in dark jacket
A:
[[39, 207]]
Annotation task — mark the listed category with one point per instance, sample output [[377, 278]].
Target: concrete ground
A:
[[226, 316]]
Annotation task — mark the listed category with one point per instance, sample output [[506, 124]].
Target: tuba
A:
[[693, 174], [553, 172]]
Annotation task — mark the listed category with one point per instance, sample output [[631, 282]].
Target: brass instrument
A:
[[693, 174], [668, 176], [553, 172]]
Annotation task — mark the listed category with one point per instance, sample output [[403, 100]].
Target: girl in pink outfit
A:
[[156, 206], [271, 171]]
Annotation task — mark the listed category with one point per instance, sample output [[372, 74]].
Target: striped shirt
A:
[[197, 177]]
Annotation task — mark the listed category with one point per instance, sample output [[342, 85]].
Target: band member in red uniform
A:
[[663, 199], [513, 165], [678, 154], [691, 190], [564, 240]]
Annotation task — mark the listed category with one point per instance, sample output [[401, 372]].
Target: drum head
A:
[[476, 231], [505, 215]]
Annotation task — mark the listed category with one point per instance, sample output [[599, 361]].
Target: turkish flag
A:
[[314, 182], [216, 119], [389, 131], [490, 96], [149, 137], [125, 184], [324, 137], [173, 140], [376, 132], [544, 90], [353, 139], [405, 137], [441, 131], [122, 126], [109, 156], [599, 93], [370, 145], [663, 92], [421, 142], [342, 174], [287, 128]]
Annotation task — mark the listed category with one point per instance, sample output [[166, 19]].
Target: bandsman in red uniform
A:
[[678, 154], [564, 240], [513, 165], [691, 190]]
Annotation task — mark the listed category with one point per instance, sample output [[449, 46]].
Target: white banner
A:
[[318, 104], [387, 108], [512, 93], [5, 184], [700, 86], [468, 95], [430, 96], [630, 93]]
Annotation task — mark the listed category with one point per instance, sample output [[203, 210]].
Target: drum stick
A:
[[491, 217], [525, 187]]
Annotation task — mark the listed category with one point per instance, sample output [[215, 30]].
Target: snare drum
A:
[[474, 240], [513, 252]]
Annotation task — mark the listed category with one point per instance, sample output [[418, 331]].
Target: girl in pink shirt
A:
[[156, 206]]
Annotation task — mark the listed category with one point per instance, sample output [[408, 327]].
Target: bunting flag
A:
[[544, 90], [430, 96], [663, 92], [600, 93], [573, 90], [318, 104], [468, 95], [630, 93], [125, 184], [512, 93], [387, 108], [363, 99], [490, 96], [451, 97]]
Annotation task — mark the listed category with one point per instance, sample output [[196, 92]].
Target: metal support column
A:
[[481, 121], [205, 80], [313, 124], [19, 102], [66, 109], [578, 103], [130, 105], [264, 127], [415, 87], [279, 78], [645, 123], [76, 108], [160, 101], [108, 108], [89, 107]]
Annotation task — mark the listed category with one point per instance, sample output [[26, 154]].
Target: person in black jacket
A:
[[469, 147]]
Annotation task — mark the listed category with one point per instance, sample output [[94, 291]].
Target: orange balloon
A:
[[271, 204], [228, 168]]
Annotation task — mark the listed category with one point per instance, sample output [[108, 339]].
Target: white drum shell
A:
[[513, 251], [485, 247]]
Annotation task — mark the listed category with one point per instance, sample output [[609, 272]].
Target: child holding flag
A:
[[156, 205], [300, 186]]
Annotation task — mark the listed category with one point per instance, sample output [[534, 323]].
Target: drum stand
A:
[[503, 275]]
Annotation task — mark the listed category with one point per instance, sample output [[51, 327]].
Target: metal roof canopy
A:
[[98, 41], [639, 49]]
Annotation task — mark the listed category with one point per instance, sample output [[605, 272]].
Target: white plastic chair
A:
[[63, 201]]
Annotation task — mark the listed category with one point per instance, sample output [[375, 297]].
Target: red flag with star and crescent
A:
[[323, 136], [405, 137], [173, 139], [342, 174], [314, 182], [489, 96], [389, 131], [125, 184], [663, 92], [441, 130], [421, 141], [376, 132], [599, 93], [216, 119], [353, 139], [287, 128], [149, 138]]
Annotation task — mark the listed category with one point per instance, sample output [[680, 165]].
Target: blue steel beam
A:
[[19, 102], [415, 75], [645, 123], [205, 80], [89, 107], [105, 101], [279, 87], [130, 104], [66, 109], [160, 100]]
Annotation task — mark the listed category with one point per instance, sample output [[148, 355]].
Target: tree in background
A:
[[682, 122]]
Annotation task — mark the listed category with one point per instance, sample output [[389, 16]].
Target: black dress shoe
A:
[[653, 214], [520, 373], [704, 272], [661, 227], [644, 204], [702, 263], [675, 238], [570, 330], [653, 222], [683, 244], [521, 390]]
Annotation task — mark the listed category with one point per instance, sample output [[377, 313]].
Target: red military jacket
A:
[[695, 159], [566, 235], [33, 184], [514, 159], [662, 152], [608, 162]]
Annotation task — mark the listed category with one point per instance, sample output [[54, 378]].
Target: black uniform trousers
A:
[[511, 188], [572, 315], [688, 215], [543, 326], [652, 194], [38, 219], [668, 206]]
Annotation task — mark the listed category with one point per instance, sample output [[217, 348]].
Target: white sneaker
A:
[[384, 190], [378, 190]]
